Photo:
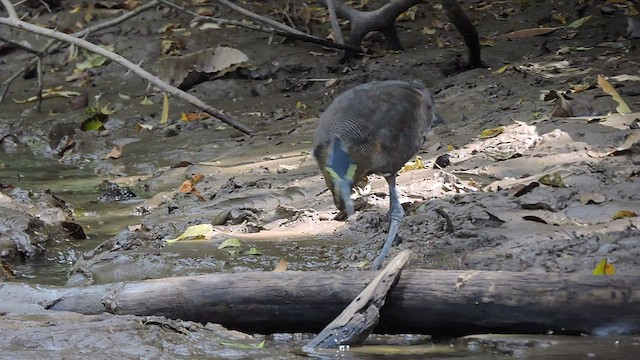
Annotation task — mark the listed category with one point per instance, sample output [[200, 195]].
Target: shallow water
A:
[[100, 221]]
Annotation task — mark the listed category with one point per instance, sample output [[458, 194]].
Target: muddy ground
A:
[[266, 189]]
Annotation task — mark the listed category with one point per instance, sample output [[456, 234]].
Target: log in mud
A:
[[424, 301]]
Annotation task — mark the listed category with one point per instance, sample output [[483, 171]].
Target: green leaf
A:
[[578, 23], [489, 133], [94, 123], [232, 242], [146, 101], [254, 251], [554, 180]]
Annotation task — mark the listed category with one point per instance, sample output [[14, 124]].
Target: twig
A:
[[299, 35], [53, 46], [274, 24], [334, 22], [15, 22]]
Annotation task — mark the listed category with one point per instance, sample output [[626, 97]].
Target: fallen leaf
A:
[[631, 139], [231, 242], [622, 214], [195, 232], [501, 70], [486, 41], [592, 198], [578, 23], [604, 267], [526, 189], [194, 116], [622, 107], [186, 187], [413, 165], [526, 33], [563, 107], [254, 251], [94, 123], [282, 266], [535, 219], [115, 153], [489, 133], [146, 101], [492, 221], [554, 180], [164, 118]]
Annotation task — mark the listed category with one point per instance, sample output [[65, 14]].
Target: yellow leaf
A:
[[428, 31], [300, 105], [486, 41], [414, 165], [450, 147], [489, 133], [606, 87], [604, 267], [164, 118], [624, 214], [501, 70], [194, 116], [195, 232]]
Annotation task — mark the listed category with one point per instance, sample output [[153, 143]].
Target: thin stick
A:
[[15, 22], [298, 35], [54, 46]]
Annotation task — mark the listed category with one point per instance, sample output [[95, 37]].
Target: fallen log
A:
[[423, 301], [358, 320]]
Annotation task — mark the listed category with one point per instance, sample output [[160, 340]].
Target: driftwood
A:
[[383, 20], [357, 321], [423, 301]]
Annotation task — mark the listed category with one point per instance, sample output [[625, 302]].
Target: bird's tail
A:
[[342, 170]]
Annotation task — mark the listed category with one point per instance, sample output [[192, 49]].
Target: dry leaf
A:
[[624, 214], [526, 33], [115, 153], [554, 180], [501, 70], [186, 187], [622, 107], [282, 266], [592, 198], [164, 118], [630, 141]]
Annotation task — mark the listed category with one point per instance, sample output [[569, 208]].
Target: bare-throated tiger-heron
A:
[[373, 128]]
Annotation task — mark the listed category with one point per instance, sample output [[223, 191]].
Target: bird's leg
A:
[[395, 216]]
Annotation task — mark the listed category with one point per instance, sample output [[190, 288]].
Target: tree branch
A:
[[282, 30], [15, 22]]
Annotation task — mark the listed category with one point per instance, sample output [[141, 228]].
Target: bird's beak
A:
[[342, 187]]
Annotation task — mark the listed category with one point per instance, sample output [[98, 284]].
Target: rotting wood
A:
[[358, 320], [424, 301]]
